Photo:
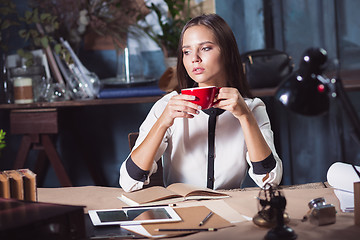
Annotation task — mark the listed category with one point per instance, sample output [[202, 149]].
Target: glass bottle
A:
[[5, 83]]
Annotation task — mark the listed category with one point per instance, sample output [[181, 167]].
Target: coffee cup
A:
[[204, 96]]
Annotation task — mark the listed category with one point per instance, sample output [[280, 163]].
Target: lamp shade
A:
[[305, 91]]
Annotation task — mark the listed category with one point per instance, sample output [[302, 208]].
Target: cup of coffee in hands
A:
[[204, 96]]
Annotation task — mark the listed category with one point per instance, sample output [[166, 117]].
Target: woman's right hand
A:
[[179, 106]]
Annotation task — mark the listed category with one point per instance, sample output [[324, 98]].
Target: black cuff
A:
[[135, 172], [264, 166]]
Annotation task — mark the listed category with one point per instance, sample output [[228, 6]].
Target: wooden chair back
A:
[[157, 178]]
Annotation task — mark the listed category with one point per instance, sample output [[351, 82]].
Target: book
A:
[[54, 68], [4, 186], [29, 183], [19, 184], [141, 91], [16, 184], [173, 193]]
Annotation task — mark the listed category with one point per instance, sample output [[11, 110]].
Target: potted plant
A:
[[171, 24], [8, 19], [2, 140], [99, 18]]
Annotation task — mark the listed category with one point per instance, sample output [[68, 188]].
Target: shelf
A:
[[81, 103], [350, 79]]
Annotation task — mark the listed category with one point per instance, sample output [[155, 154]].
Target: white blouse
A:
[[184, 150]]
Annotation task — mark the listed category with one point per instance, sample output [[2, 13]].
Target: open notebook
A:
[[173, 193]]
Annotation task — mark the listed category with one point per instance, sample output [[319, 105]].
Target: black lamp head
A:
[[305, 90]]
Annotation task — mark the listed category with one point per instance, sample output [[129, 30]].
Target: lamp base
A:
[[281, 233]]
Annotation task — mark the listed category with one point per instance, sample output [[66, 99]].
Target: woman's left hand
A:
[[231, 100]]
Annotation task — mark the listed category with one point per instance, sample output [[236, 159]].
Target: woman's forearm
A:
[[257, 146], [143, 155]]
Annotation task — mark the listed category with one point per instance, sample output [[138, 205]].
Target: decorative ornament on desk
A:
[[271, 213], [82, 83], [320, 213], [5, 83]]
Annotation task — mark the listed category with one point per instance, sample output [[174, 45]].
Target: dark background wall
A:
[[307, 145]]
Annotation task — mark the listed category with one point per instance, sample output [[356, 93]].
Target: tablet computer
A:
[[130, 216]]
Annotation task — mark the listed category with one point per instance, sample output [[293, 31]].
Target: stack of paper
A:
[[341, 176]]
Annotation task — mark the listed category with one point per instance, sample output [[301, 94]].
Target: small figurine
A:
[[273, 211]]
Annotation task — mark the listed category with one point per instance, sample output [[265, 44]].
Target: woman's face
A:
[[202, 57]]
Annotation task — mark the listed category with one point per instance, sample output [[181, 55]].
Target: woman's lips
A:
[[198, 70]]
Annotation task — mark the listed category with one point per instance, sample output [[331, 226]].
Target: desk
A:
[[37, 126], [241, 200]]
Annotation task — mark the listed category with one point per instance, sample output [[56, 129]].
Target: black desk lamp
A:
[[308, 92]]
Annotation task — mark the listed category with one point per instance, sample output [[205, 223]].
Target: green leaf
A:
[[24, 34], [35, 17], [67, 57], [5, 24], [45, 17], [56, 25], [57, 48], [20, 52], [29, 62], [44, 42], [33, 33], [28, 15], [28, 55]]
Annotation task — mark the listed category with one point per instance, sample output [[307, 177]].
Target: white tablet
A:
[[131, 216]]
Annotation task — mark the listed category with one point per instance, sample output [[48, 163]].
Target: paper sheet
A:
[[342, 176], [221, 208], [346, 200], [142, 231]]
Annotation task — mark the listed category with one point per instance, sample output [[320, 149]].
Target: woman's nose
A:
[[196, 58]]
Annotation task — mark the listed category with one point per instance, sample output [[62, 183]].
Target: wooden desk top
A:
[[242, 201]]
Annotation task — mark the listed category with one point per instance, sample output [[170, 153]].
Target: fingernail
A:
[[197, 112], [199, 107]]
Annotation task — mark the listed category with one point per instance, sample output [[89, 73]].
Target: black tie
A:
[[213, 113]]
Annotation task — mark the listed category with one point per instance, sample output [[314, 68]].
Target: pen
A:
[[148, 206], [205, 219], [185, 229]]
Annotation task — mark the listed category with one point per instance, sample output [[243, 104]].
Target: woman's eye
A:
[[206, 48], [186, 52]]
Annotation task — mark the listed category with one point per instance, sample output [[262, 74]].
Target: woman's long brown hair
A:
[[229, 53]]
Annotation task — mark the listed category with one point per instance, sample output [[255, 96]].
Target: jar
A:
[[23, 90], [38, 80]]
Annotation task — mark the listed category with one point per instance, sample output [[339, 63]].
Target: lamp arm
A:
[[349, 108]]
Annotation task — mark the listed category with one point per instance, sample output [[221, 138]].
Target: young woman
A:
[[211, 148]]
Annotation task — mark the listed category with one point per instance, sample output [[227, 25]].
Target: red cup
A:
[[204, 96]]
